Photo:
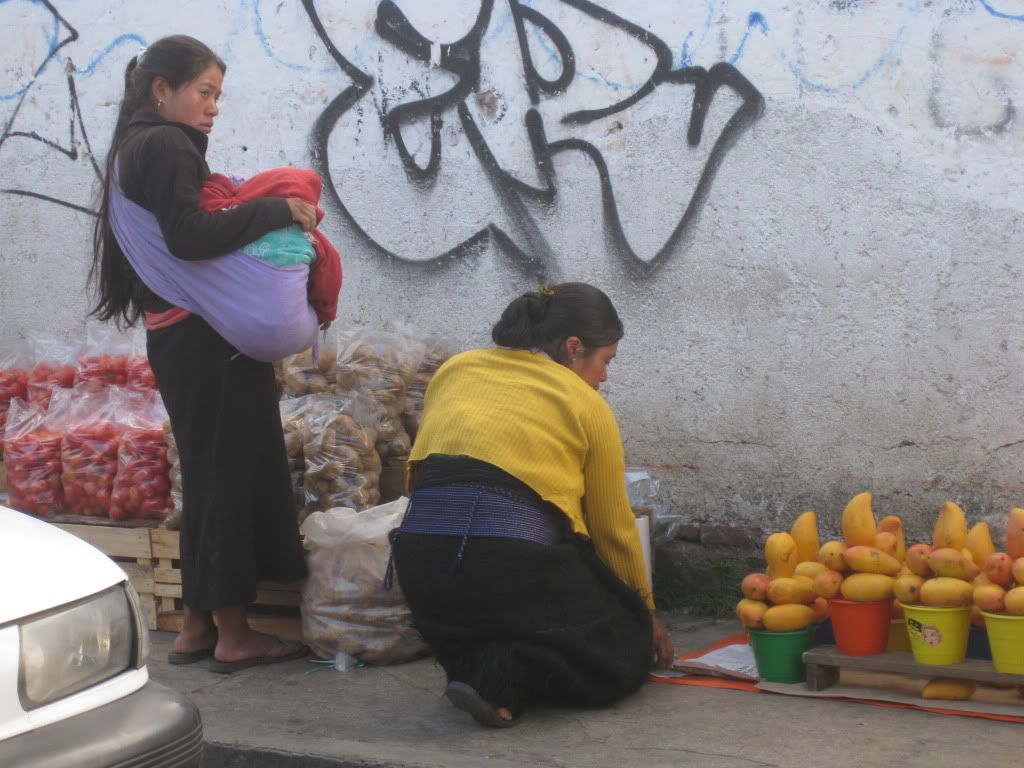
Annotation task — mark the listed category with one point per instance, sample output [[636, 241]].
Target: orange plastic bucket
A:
[[861, 629]]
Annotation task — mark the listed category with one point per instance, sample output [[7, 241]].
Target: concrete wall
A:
[[818, 258]]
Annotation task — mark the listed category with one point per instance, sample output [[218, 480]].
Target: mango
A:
[[821, 609], [781, 553], [979, 543], [791, 590], [786, 618], [952, 563], [810, 568], [999, 569], [917, 560], [1015, 601], [831, 556], [946, 592], [907, 589], [948, 689], [867, 587], [950, 527], [755, 586], [894, 525], [1017, 571], [886, 542], [977, 620], [1015, 534], [990, 597], [751, 613], [858, 522], [980, 579], [863, 559], [827, 583], [805, 534]]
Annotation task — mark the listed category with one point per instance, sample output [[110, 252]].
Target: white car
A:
[[74, 688]]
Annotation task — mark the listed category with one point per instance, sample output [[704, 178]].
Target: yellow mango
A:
[[805, 534], [1015, 601], [867, 587], [949, 689], [751, 613], [1017, 570], [821, 609], [952, 563], [781, 554], [946, 592], [858, 521], [917, 560], [1015, 534], [809, 568], [950, 528], [755, 586], [863, 559], [999, 569], [907, 589], [791, 590], [886, 542], [979, 543], [894, 525], [786, 618], [831, 556], [990, 597], [827, 583]]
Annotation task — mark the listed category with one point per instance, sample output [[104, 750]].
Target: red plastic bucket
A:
[[860, 629]]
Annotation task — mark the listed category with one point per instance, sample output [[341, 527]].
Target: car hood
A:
[[42, 567]]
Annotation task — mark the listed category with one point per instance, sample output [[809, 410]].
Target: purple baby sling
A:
[[259, 308]]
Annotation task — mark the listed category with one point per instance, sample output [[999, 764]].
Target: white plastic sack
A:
[[345, 608]]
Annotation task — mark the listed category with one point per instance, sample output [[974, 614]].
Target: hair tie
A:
[[546, 290]]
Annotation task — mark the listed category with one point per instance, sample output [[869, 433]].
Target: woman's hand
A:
[[303, 214], [664, 652]]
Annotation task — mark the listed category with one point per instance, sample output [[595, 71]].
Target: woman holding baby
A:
[[239, 524]]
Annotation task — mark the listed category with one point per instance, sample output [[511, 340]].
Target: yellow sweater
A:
[[541, 423]]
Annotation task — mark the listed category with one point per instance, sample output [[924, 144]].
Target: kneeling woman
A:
[[519, 555]]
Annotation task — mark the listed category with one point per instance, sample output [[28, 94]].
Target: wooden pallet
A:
[[276, 609], [825, 662], [131, 548]]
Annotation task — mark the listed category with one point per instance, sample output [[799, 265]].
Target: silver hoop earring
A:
[[159, 103]]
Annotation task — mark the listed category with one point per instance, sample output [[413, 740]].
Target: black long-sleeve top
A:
[[162, 167]]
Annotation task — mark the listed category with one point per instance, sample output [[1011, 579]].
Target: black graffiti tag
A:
[[462, 59]]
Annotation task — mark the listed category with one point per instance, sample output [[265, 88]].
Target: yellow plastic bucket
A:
[[898, 640], [1006, 638], [937, 635]]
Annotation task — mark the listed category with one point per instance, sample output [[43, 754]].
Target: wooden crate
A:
[[276, 609], [129, 546], [825, 662]]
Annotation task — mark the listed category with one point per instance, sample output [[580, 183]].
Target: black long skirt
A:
[[526, 623], [239, 524]]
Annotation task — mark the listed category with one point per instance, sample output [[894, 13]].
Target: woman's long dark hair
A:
[[179, 60], [546, 318]]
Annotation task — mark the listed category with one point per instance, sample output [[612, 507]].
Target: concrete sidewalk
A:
[[302, 714]]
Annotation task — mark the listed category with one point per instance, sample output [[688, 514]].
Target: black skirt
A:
[[526, 623], [239, 524]]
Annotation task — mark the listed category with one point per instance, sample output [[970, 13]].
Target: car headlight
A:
[[74, 648]]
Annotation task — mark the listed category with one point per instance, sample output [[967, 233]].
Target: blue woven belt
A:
[[472, 510]]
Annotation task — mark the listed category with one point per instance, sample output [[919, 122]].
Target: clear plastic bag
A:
[[298, 375], [643, 498], [32, 447], [15, 366], [142, 486], [140, 374], [292, 424], [92, 436], [173, 521], [342, 466], [435, 352], [55, 363], [345, 607], [105, 357]]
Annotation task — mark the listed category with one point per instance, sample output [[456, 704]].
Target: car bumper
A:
[[154, 727]]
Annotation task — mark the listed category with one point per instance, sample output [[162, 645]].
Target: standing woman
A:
[[519, 554], [239, 524]]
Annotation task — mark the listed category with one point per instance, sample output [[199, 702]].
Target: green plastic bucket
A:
[[937, 635], [780, 655], [1006, 638]]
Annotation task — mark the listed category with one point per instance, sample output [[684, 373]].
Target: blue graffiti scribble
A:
[[51, 32], [1001, 14], [118, 41], [685, 58], [755, 19]]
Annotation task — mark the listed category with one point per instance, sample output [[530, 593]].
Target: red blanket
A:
[[219, 192]]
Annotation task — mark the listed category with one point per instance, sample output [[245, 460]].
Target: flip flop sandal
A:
[[180, 658], [227, 667], [466, 698]]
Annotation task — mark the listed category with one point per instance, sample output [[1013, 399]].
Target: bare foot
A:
[[251, 644], [198, 633], [504, 713]]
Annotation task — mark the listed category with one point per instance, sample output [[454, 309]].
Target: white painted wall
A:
[[842, 312]]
